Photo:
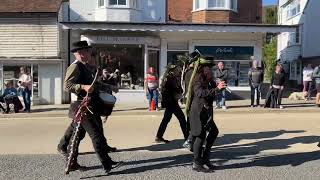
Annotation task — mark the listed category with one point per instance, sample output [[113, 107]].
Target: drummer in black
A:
[[78, 81], [203, 128]]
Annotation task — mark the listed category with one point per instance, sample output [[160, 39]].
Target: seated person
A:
[[9, 95]]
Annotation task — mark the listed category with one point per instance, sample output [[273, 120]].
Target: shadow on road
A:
[[225, 150]]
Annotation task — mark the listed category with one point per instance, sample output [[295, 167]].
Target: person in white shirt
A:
[[307, 81], [25, 86]]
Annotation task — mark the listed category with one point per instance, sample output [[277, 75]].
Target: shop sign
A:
[[8, 74], [227, 52], [121, 40]]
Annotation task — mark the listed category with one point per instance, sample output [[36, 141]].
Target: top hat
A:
[[79, 45]]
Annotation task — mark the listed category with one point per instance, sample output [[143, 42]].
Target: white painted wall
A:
[[311, 29], [50, 81], [147, 11], [82, 10], [308, 20], [29, 37]]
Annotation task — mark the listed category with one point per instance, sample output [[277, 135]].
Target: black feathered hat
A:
[[79, 45]]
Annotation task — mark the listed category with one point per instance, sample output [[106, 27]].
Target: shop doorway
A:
[[153, 58]]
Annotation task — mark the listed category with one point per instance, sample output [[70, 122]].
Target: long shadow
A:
[[173, 145], [225, 150]]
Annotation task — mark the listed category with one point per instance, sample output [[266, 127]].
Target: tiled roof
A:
[[15, 6]]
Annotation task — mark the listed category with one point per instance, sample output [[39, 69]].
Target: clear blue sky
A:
[[269, 2]]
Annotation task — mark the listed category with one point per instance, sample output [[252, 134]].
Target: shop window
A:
[[126, 61], [235, 58], [172, 56]]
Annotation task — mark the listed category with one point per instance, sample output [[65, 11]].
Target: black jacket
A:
[[201, 106], [170, 91]]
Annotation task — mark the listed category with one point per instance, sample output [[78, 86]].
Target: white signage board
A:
[[151, 41]]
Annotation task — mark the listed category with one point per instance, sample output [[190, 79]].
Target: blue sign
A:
[[227, 52]]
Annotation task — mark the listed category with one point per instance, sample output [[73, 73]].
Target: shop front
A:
[[132, 48], [46, 78]]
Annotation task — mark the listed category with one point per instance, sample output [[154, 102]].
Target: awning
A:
[[181, 27]]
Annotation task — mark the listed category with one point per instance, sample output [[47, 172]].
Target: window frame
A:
[[230, 5], [101, 5], [294, 5], [119, 5]]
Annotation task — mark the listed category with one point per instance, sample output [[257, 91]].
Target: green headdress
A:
[[200, 62]]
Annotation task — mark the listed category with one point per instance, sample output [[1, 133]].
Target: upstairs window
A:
[[293, 9], [117, 2], [215, 4], [100, 3]]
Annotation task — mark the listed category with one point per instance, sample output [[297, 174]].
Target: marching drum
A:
[[108, 101]]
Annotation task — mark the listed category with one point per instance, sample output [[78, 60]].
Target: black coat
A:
[[170, 91], [201, 110]]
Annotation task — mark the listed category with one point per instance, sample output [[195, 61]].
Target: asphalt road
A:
[[169, 165], [253, 144]]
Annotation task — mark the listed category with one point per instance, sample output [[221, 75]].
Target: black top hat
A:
[[79, 45]]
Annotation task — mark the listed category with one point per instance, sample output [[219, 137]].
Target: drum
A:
[[108, 101], [107, 98]]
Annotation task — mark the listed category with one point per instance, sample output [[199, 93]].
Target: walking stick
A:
[[82, 110]]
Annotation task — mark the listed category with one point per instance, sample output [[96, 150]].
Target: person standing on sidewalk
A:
[[255, 75], [203, 127], [151, 87], [221, 75], [78, 81], [316, 77], [307, 81], [277, 84], [171, 92], [25, 86]]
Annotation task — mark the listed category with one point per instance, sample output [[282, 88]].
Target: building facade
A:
[[29, 34], [299, 48], [132, 35]]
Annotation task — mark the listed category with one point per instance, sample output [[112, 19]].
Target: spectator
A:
[[221, 74], [25, 86], [255, 80], [151, 87], [316, 76], [276, 88], [8, 95], [109, 78], [307, 81]]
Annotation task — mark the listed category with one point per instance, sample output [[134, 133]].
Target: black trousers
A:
[[278, 95], [65, 139], [176, 110], [202, 155], [93, 125], [255, 90]]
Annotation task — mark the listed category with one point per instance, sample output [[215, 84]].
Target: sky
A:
[[269, 2]]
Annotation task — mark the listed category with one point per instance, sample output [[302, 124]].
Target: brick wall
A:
[[180, 10], [210, 16], [249, 11]]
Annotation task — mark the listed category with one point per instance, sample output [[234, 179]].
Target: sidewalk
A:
[[237, 106]]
